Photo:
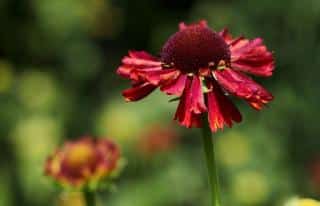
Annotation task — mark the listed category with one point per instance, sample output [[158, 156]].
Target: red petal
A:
[[136, 73], [244, 46], [138, 91], [137, 61], [221, 111], [252, 57], [191, 104], [196, 95], [124, 71], [176, 87], [160, 75], [244, 87], [140, 62], [142, 55], [136, 67]]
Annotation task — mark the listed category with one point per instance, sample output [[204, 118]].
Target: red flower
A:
[[82, 161], [201, 66]]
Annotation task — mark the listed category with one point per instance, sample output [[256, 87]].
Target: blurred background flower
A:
[[302, 202], [84, 162], [57, 80]]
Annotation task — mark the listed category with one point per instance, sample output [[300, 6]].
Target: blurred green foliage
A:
[[58, 81]]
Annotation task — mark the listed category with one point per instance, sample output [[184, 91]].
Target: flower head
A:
[[83, 161], [201, 67], [195, 47]]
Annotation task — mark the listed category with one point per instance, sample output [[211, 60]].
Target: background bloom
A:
[[302, 202], [201, 66], [83, 161], [157, 139]]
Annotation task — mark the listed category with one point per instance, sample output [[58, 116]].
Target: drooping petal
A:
[[191, 104], [184, 103], [146, 73], [140, 62], [141, 58], [136, 74], [176, 87], [184, 116], [143, 70], [137, 62], [243, 87], [138, 91], [162, 75], [197, 99], [142, 55], [124, 71], [139, 74], [252, 56], [221, 111]]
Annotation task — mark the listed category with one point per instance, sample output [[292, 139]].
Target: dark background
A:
[[57, 81]]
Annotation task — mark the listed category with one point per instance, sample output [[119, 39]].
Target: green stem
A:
[[89, 197], [211, 162]]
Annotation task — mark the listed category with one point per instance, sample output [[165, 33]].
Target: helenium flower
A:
[[202, 67]]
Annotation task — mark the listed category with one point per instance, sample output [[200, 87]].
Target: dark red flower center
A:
[[193, 48]]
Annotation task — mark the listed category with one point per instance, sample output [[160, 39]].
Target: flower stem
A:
[[211, 162], [89, 197]]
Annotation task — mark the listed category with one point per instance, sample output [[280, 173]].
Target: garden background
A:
[[57, 81]]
